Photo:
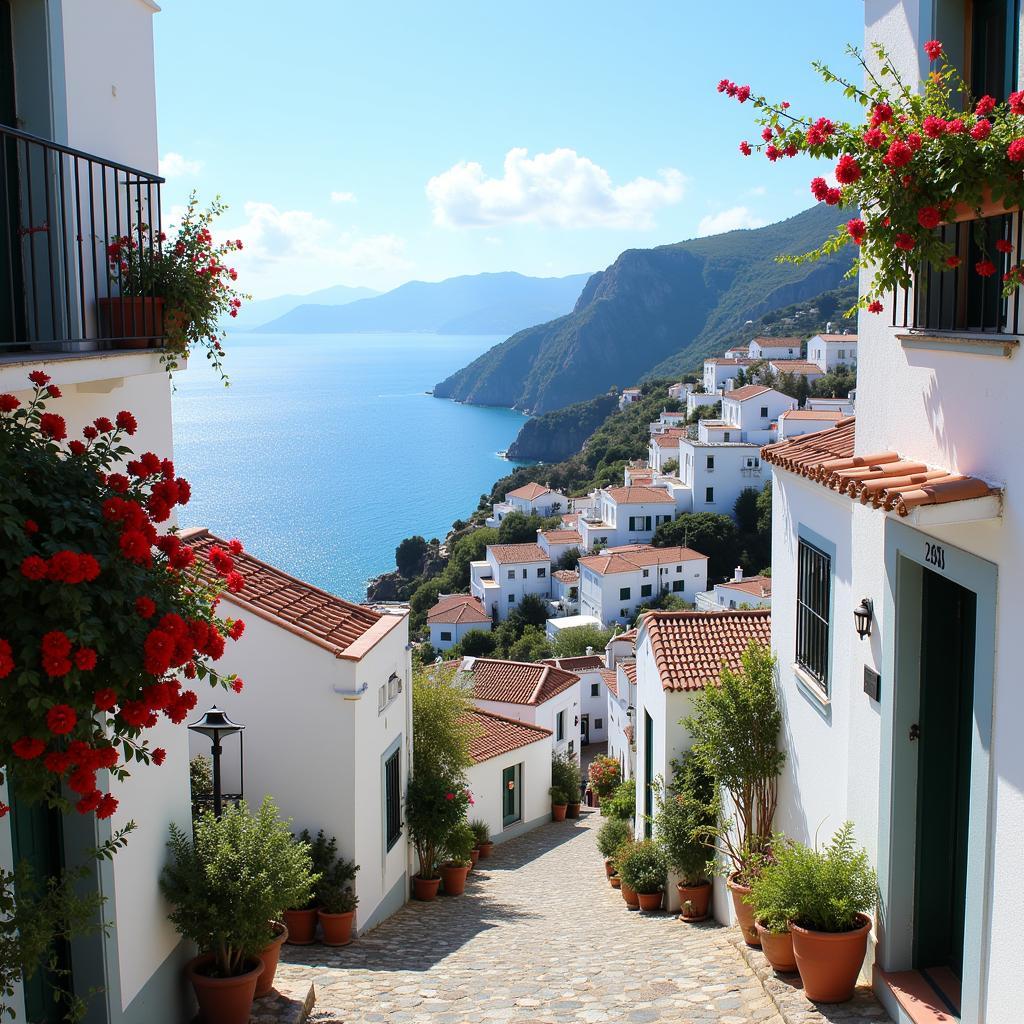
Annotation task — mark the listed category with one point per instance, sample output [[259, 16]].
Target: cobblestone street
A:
[[539, 936]]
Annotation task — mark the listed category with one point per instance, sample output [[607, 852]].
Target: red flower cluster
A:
[[63, 567], [7, 658], [933, 48]]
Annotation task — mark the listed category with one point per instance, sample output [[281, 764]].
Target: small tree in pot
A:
[[771, 901], [337, 900], [482, 835], [458, 846], [559, 803], [435, 807], [642, 868], [301, 919], [566, 776], [226, 885], [611, 835]]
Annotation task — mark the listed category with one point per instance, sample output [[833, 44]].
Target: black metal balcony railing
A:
[[59, 210], [961, 300]]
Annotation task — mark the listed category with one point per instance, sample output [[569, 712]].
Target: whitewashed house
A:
[[907, 517], [628, 397], [798, 367], [558, 542], [775, 348], [702, 399], [677, 654], [510, 776], [616, 581], [831, 351], [620, 685], [630, 515], [666, 420], [679, 391], [327, 696], [593, 694], [453, 617], [565, 590], [664, 447], [750, 412], [716, 473], [507, 574], [719, 371], [620, 646], [739, 592], [846, 406], [529, 692], [530, 499], [806, 421]]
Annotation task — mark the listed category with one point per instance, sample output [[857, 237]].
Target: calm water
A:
[[325, 452]]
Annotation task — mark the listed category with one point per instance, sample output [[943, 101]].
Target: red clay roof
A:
[[823, 415], [765, 342], [629, 636], [517, 553], [528, 492], [579, 663], [297, 606], [637, 556], [517, 682], [884, 479], [629, 668], [611, 680], [801, 366], [745, 392], [495, 735], [457, 608], [731, 362], [562, 536], [759, 586], [662, 440], [849, 339], [638, 495], [566, 575], [691, 647]]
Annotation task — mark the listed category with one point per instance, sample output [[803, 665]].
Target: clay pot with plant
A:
[[566, 776], [435, 807], [735, 728], [559, 803], [458, 845], [302, 920], [226, 884], [770, 904], [604, 774], [337, 901], [642, 869], [482, 835], [610, 836]]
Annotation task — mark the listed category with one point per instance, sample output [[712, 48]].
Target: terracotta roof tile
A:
[[579, 663], [629, 636], [611, 680], [495, 735], [849, 339], [458, 608], [308, 611], [562, 536], [801, 366], [662, 440], [633, 557], [765, 342], [745, 392], [528, 492], [690, 647], [883, 479], [566, 576], [629, 668], [759, 586], [517, 682], [639, 495], [517, 553]]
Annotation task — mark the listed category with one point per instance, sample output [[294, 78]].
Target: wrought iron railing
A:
[[59, 210], [960, 299]]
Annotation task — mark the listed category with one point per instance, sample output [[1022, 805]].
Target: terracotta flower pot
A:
[[269, 957], [223, 1000], [133, 321], [744, 911], [337, 928], [694, 901], [558, 812], [573, 810], [474, 856], [301, 925], [778, 949], [486, 849], [629, 895], [650, 902], [425, 888], [829, 962], [616, 882], [609, 866], [454, 877]]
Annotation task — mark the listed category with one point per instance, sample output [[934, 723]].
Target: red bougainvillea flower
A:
[[874, 137], [899, 154], [6, 659], [1015, 151], [8, 403], [57, 761], [1004, 246], [85, 659], [1016, 102], [107, 806], [847, 170], [875, 307], [928, 217], [105, 699], [61, 719], [127, 422], [56, 643], [904, 241], [159, 756], [28, 747], [39, 378], [30, 526], [933, 127], [103, 425], [984, 268], [53, 391], [955, 127], [933, 48], [743, 93], [76, 447], [90, 802], [981, 130], [237, 685], [856, 229], [145, 607], [236, 629], [235, 546], [985, 106], [880, 113], [34, 568], [952, 262], [83, 779], [235, 582], [53, 426]]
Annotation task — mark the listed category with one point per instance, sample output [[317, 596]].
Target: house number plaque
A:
[[935, 554]]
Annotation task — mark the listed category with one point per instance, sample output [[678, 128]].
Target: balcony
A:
[[958, 310], [60, 208]]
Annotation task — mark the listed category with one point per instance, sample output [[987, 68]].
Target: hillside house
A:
[[798, 368], [748, 413], [718, 371], [775, 348], [664, 447], [617, 580], [593, 694], [453, 617], [806, 421], [565, 590], [832, 351], [716, 473], [556, 543], [739, 592], [530, 499], [507, 574], [845, 406], [630, 515], [702, 399], [628, 397], [679, 391]]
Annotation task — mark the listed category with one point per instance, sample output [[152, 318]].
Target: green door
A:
[[511, 796], [648, 773], [945, 726]]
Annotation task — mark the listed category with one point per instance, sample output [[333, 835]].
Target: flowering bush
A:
[[919, 159], [435, 809], [190, 273], [102, 612], [604, 775]]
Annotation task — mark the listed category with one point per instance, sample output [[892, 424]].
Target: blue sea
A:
[[326, 451]]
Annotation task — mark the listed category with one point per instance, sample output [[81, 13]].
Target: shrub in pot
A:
[[559, 803], [457, 861], [610, 836], [827, 894], [435, 806], [621, 803], [226, 884], [337, 900], [771, 903], [642, 869], [566, 776], [604, 774], [482, 835], [301, 920]]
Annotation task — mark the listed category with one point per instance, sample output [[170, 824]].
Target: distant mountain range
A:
[[652, 311], [255, 314], [476, 304]]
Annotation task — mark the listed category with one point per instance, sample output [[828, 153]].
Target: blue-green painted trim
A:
[[58, 80], [393, 901], [821, 701], [901, 624]]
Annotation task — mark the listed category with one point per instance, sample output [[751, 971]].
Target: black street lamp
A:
[[863, 616], [215, 724]]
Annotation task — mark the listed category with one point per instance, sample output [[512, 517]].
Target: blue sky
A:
[[374, 143]]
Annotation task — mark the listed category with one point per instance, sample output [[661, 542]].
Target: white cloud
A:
[[343, 197], [294, 250], [174, 165], [729, 220], [559, 188], [757, 190]]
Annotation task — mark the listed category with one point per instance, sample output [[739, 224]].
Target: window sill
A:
[[811, 686], [973, 343]]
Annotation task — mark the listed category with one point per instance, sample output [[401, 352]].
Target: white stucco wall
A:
[[594, 705], [544, 715], [535, 781], [456, 630], [730, 475]]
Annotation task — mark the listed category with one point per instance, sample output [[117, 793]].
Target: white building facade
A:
[[716, 473], [751, 412], [507, 575], [454, 617], [832, 351]]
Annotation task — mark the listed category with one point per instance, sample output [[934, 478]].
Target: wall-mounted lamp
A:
[[511, 784], [863, 616]]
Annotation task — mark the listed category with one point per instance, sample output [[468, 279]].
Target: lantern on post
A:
[[215, 725]]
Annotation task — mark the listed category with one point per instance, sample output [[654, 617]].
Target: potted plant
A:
[[604, 774], [771, 902], [685, 811], [559, 803], [621, 802], [482, 834], [627, 890], [178, 289], [610, 836], [455, 867], [735, 728], [301, 920], [435, 806], [827, 894], [642, 870], [920, 158], [225, 884], [336, 899], [566, 776]]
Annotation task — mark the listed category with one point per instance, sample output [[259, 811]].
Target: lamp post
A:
[[213, 725]]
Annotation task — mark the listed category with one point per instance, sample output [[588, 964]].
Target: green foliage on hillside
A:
[[560, 434]]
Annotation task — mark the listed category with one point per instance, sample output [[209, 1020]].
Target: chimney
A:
[[828, 327], [590, 650], [737, 574]]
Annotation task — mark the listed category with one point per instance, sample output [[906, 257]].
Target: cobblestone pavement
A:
[[538, 938]]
